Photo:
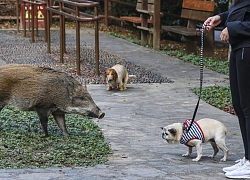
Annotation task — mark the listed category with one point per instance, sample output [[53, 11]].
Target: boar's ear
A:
[[172, 131], [78, 101]]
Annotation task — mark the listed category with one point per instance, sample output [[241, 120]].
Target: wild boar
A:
[[45, 91]]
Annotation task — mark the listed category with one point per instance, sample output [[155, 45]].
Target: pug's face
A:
[[169, 133]]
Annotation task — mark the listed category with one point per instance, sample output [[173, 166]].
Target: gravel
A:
[[14, 48]]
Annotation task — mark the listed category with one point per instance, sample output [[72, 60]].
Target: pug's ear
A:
[[172, 131]]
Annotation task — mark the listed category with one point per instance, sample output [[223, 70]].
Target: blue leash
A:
[[201, 76]]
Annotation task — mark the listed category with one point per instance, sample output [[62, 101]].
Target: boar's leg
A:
[[43, 116], [60, 120], [1, 106]]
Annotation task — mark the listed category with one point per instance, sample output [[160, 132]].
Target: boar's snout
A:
[[96, 113], [101, 115]]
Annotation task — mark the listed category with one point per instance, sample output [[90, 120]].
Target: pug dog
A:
[[202, 131]]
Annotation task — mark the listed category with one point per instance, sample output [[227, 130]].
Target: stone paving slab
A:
[[134, 117]]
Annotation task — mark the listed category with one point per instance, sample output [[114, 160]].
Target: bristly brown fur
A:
[[45, 91]]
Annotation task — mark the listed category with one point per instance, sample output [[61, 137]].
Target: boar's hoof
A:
[[65, 134], [101, 115], [45, 136]]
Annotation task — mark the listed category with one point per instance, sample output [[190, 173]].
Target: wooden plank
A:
[[151, 5], [145, 11], [136, 20], [145, 29], [199, 5], [133, 19], [181, 30], [195, 15], [147, 5], [142, 5], [115, 18]]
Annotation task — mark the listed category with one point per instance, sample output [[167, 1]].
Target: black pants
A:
[[240, 90]]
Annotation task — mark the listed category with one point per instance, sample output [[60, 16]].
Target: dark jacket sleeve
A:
[[239, 29], [223, 17], [237, 21]]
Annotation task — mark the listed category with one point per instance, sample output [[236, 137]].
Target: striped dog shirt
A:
[[195, 132]]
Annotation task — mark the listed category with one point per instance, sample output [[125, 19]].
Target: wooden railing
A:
[[74, 13]]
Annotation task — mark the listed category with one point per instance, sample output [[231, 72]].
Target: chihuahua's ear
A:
[[106, 72], [172, 131]]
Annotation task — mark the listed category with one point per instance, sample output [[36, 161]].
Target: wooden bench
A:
[[140, 7], [148, 22], [195, 11]]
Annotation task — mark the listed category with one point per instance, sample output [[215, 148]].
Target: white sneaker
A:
[[238, 164], [242, 172]]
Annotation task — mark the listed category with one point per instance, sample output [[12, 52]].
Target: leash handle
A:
[[201, 75]]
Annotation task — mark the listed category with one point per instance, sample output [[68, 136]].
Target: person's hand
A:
[[224, 36], [211, 22]]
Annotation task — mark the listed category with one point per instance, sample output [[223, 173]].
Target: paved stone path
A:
[[134, 117]]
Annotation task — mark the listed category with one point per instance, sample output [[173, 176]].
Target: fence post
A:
[[106, 12], [157, 25], [96, 44], [77, 42]]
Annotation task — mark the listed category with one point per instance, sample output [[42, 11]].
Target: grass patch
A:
[[219, 66], [22, 145], [217, 96]]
